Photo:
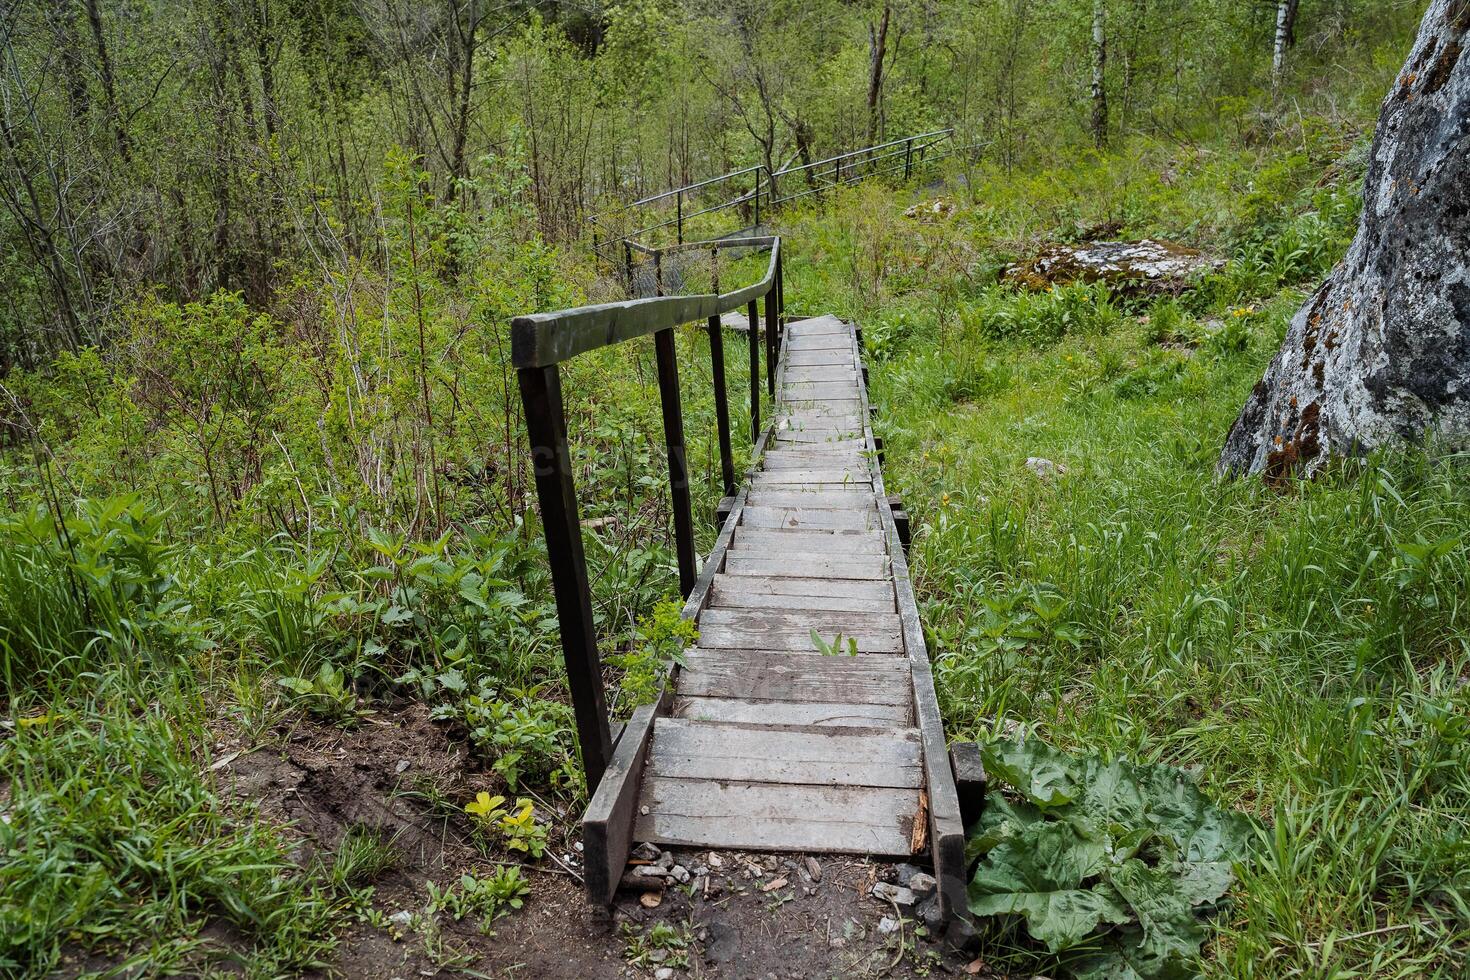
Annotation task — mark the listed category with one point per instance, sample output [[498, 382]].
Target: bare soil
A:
[[751, 916]]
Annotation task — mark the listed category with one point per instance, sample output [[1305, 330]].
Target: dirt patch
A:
[[746, 916]]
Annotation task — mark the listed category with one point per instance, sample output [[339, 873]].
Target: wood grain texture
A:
[[820, 819]]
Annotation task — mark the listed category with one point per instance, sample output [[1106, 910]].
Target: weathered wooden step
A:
[[684, 749], [821, 819], [822, 714], [778, 676], [837, 541], [757, 592], [770, 629], [799, 565], [810, 518], [854, 497]]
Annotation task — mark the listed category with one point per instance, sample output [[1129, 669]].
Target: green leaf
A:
[[1040, 873], [1166, 944], [1042, 774], [299, 685], [1000, 819]]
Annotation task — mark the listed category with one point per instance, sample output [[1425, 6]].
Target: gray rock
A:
[[928, 912], [883, 891], [663, 973], [665, 861], [922, 884], [1045, 469], [1381, 352], [1146, 266], [644, 852], [887, 925], [904, 872], [679, 873]]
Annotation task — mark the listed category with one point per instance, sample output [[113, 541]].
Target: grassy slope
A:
[[1305, 651]]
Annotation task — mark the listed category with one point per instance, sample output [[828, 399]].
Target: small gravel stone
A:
[[813, 869], [679, 873], [887, 925], [885, 892], [904, 873], [922, 884], [663, 973]]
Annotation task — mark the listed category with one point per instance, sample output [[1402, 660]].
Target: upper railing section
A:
[[544, 339], [540, 342], [752, 192]]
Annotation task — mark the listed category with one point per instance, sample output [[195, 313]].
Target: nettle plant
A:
[[1116, 866]]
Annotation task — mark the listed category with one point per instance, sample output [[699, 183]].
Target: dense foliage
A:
[[262, 459]]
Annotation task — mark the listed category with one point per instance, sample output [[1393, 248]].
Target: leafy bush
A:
[[1042, 319], [83, 591], [1120, 860]]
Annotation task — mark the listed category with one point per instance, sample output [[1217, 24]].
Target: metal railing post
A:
[[908, 158], [679, 215], [722, 404], [753, 323], [757, 193], [771, 341], [546, 425], [668, 389]]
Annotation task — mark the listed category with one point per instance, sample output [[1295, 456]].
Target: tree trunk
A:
[[1285, 37], [1099, 73], [1381, 352], [877, 49]]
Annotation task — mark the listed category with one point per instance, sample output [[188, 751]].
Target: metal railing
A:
[[540, 342], [615, 233]]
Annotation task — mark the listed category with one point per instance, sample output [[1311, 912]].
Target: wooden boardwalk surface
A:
[[766, 739]]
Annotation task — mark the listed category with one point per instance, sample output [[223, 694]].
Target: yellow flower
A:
[[944, 499]]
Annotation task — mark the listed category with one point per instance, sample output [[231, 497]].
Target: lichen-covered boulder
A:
[[1147, 266], [1381, 352]]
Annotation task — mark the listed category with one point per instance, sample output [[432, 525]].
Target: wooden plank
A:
[[822, 714], [837, 439], [828, 474], [788, 459], [879, 593], [819, 342], [818, 357], [821, 819], [740, 629], [836, 541], [857, 622], [815, 518], [734, 599], [684, 749], [800, 392], [778, 676], [607, 826], [856, 498], [823, 373], [808, 566]]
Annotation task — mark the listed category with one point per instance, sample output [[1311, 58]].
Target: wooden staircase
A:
[[766, 738]]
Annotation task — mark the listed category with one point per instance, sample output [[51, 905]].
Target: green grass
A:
[[114, 841], [1304, 651]]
